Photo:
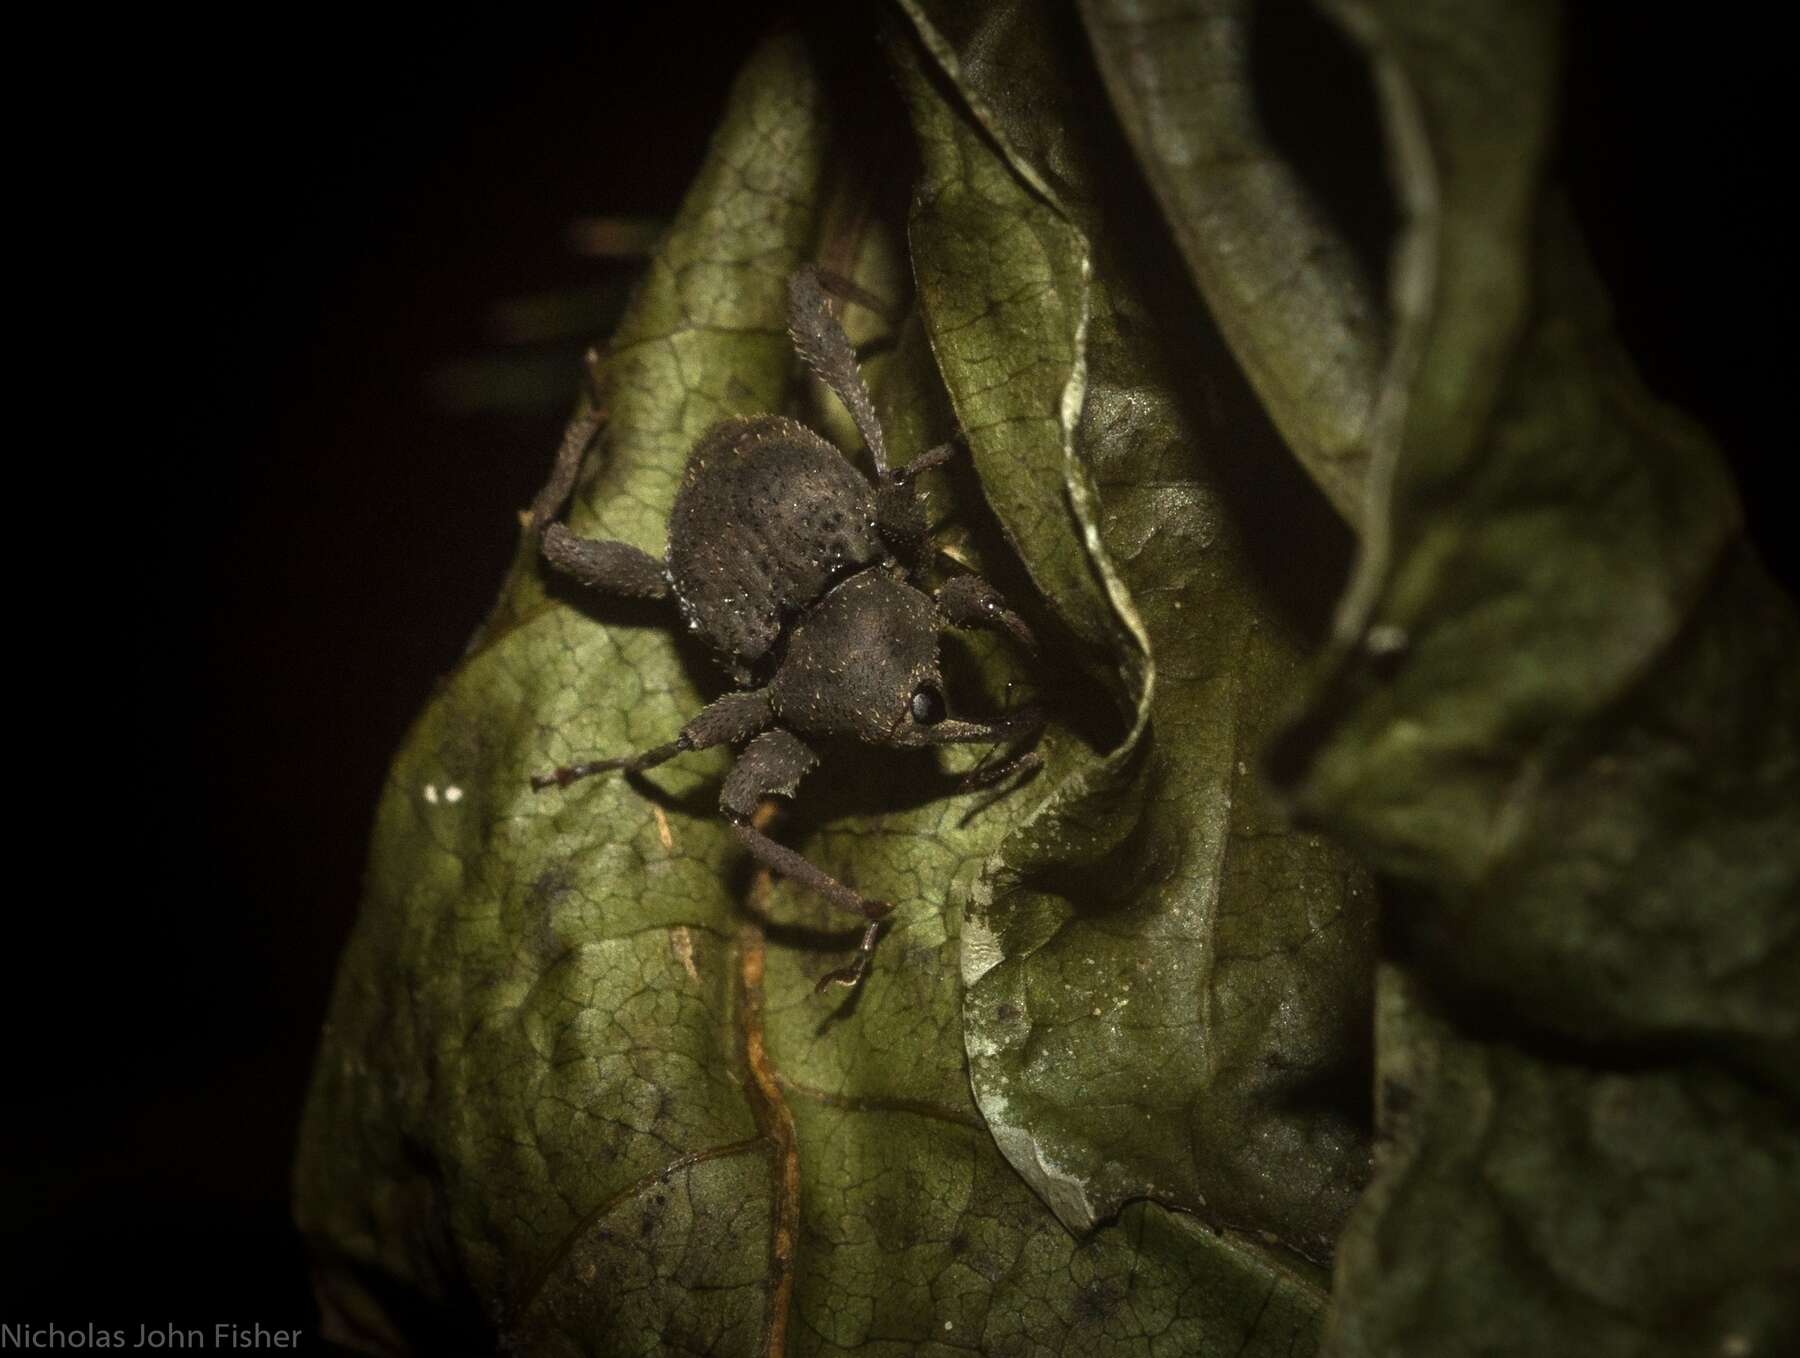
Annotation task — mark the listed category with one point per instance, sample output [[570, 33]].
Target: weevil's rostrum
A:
[[807, 579]]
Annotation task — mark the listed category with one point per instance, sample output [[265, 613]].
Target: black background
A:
[[272, 524]]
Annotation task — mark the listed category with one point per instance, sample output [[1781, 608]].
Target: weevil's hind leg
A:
[[724, 722], [826, 349], [610, 567], [849, 975], [555, 494], [772, 765]]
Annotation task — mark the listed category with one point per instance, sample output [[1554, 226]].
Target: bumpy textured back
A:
[[768, 516]]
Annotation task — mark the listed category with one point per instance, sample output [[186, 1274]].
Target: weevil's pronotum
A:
[[808, 582]]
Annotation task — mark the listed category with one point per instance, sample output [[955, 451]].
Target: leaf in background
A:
[[1572, 706], [1572, 709], [1566, 708], [1531, 1205], [1283, 288], [1167, 988]]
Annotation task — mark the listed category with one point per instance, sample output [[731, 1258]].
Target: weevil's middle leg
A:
[[773, 765], [967, 600], [631, 763], [900, 512], [929, 460], [725, 722]]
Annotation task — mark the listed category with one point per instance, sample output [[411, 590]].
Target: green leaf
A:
[[1567, 700], [576, 1087], [1285, 290], [1532, 1205], [1565, 709], [1160, 973]]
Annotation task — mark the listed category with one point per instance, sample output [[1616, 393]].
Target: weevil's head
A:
[[863, 662]]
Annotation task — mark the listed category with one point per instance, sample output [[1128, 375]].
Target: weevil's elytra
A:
[[806, 579], [800, 517]]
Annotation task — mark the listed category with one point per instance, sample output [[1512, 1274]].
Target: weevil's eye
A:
[[927, 705]]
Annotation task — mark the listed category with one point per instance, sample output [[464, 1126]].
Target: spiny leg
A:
[[826, 349], [773, 765], [724, 722], [821, 342]]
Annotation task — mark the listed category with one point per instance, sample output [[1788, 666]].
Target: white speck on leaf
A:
[[681, 943]]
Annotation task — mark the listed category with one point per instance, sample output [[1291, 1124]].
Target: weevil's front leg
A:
[[1024, 726], [822, 343], [772, 765], [732, 718], [985, 774], [969, 601]]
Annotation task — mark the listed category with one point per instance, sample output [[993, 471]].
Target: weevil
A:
[[807, 581]]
